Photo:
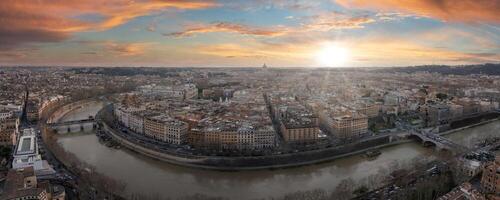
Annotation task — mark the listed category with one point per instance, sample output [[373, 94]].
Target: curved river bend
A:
[[144, 175]]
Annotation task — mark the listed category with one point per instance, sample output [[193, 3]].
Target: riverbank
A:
[[273, 161], [469, 126], [135, 169], [243, 163]]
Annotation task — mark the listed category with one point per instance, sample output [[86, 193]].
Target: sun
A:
[[332, 55]]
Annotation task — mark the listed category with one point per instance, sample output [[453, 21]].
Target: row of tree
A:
[[89, 181]]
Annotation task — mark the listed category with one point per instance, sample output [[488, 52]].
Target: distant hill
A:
[[128, 71], [487, 69]]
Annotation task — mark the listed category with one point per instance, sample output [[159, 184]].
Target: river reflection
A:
[[148, 176], [471, 136]]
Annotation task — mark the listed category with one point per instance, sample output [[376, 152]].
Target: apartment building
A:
[[9, 125], [490, 180], [22, 184], [166, 129], [130, 117], [226, 136], [349, 126]]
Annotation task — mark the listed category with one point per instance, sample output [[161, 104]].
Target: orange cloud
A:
[[322, 23], [229, 51], [254, 54], [263, 4], [228, 27], [372, 51], [390, 51], [255, 49], [333, 21], [448, 10], [25, 21], [127, 49]]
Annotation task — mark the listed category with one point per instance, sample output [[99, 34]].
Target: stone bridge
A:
[[73, 126], [62, 111], [441, 143], [54, 121]]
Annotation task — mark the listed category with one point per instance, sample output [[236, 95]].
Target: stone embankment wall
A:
[[257, 162]]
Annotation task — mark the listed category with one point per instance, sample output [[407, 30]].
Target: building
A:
[[241, 124], [5, 113], [136, 122], [265, 138], [190, 91], [299, 125], [26, 154], [392, 99], [22, 183], [472, 163], [299, 131], [490, 180], [463, 192], [350, 126], [187, 91], [347, 121], [438, 115], [130, 117], [457, 111], [471, 168], [9, 126], [166, 129], [470, 107], [32, 111], [228, 136], [366, 107]]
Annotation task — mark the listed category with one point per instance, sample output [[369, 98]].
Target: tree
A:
[[373, 128], [5, 151], [360, 190], [344, 189], [441, 96]]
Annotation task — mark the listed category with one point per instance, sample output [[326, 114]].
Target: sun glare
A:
[[332, 55]]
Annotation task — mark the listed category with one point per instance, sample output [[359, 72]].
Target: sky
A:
[[249, 33]]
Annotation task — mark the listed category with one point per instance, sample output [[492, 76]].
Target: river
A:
[[144, 175], [471, 136]]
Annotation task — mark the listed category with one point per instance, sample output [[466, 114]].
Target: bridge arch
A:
[[429, 144], [416, 138]]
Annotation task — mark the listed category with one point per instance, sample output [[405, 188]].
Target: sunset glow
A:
[[241, 33], [332, 55]]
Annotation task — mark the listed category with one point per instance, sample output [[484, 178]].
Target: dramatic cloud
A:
[[228, 27], [368, 52], [371, 51], [247, 32], [253, 5], [229, 51], [255, 54], [256, 49], [323, 23], [468, 39], [391, 16], [335, 21], [24, 21], [447, 10], [126, 49]]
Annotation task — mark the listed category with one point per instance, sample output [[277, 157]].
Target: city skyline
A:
[[280, 33]]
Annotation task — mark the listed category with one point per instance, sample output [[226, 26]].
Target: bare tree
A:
[[344, 189]]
